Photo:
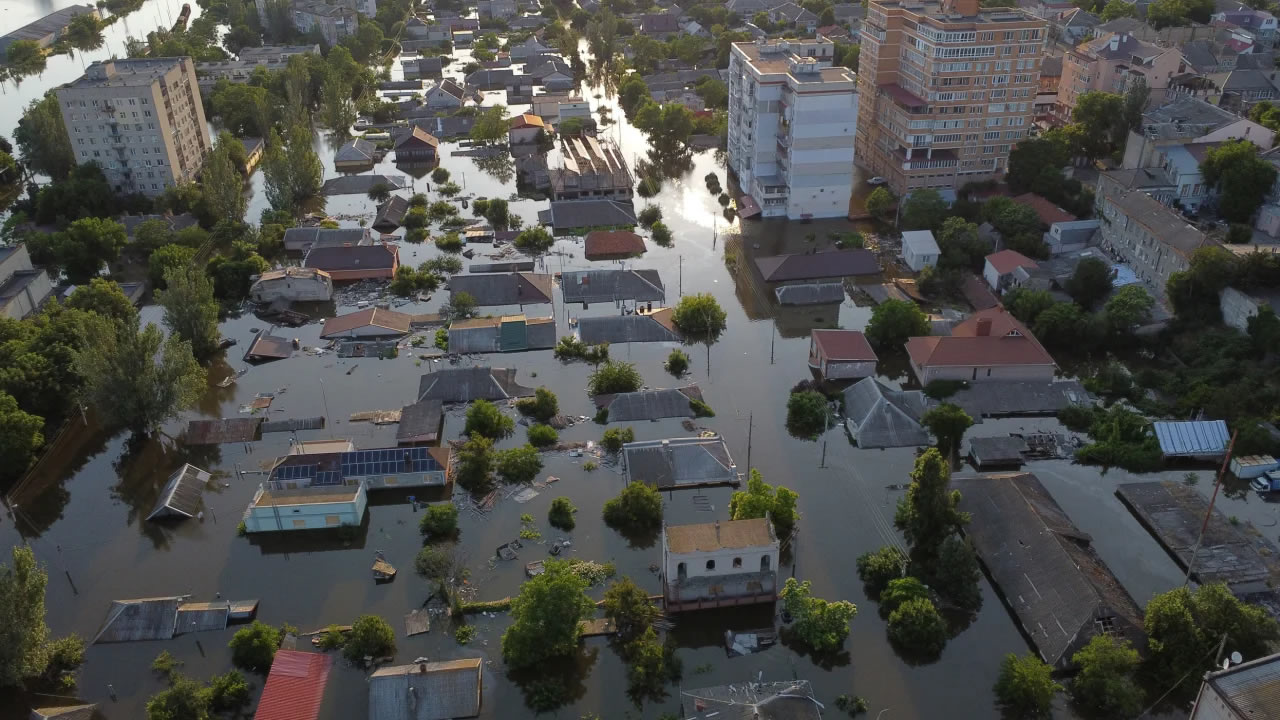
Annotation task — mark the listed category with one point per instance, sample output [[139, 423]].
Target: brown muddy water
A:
[[83, 510]]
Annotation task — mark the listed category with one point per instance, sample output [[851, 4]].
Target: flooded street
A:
[[83, 509]]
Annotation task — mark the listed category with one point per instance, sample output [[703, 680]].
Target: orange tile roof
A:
[[1006, 261], [1006, 342], [1048, 212]]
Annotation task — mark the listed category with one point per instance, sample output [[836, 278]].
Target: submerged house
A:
[[878, 416], [420, 423], [374, 322], [719, 564], [612, 245], [183, 493], [680, 462], [347, 264], [509, 333], [463, 385], [356, 156], [301, 239], [427, 690], [391, 214], [417, 147], [588, 286], [293, 284], [523, 288], [817, 266], [374, 469], [641, 326], [306, 509], [591, 169], [569, 215], [841, 354], [649, 404], [295, 686]]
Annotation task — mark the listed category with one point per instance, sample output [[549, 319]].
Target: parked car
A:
[[1267, 484], [877, 180]]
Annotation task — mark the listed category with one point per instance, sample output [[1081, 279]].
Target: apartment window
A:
[[988, 149], [146, 113], [993, 135], [130, 101], [145, 102], [93, 141], [95, 153]]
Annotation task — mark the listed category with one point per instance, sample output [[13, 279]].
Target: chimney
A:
[[984, 327], [422, 668]]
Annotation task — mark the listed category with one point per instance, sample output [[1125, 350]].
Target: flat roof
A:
[[779, 63], [133, 72], [339, 494], [712, 536]]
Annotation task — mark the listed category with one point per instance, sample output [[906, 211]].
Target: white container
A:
[[1252, 466]]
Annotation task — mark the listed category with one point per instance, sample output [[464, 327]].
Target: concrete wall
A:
[[974, 373], [846, 370], [696, 563], [312, 516], [401, 480], [1237, 308]]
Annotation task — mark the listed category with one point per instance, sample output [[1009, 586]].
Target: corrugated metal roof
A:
[[679, 461], [427, 691], [1200, 437], [295, 686], [1251, 689], [181, 496], [202, 617], [140, 619], [649, 404], [473, 383], [623, 329]]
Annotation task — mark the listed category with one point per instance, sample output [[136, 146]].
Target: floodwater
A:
[[83, 510]]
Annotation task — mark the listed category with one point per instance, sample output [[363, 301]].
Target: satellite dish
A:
[[1226, 663], [1236, 658]]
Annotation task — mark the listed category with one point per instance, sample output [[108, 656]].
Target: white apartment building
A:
[[792, 122], [140, 120]]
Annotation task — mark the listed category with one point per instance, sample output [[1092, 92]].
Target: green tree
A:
[[254, 647], [1136, 98], [632, 91], [880, 203], [821, 624], [661, 233], [877, 569], [371, 637], [929, 513], [484, 418], [948, 423], [893, 321], [807, 414], [137, 379], [916, 627], [433, 562], [956, 575], [184, 699], [1037, 162], [228, 692], [1130, 306], [543, 436], [677, 362], [637, 508], [924, 209], [476, 460], [291, 170], [699, 315], [629, 607], [900, 591], [614, 377], [519, 464], [1103, 127], [1027, 304], [760, 499], [615, 438], [25, 57], [534, 241], [1064, 326], [223, 182], [1193, 293], [1167, 13], [1242, 178], [1025, 687], [490, 126], [960, 245], [84, 32], [82, 249], [647, 671], [1105, 685], [105, 298], [338, 110], [1184, 628], [20, 436], [190, 310], [1089, 283], [546, 616], [167, 259], [24, 637], [439, 521], [1117, 9], [560, 515], [541, 407]]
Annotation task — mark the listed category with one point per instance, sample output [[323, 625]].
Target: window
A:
[[681, 571], [711, 564], [737, 562], [332, 520], [299, 522], [764, 563]]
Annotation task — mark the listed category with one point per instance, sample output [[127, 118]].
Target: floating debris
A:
[[383, 571], [417, 622]]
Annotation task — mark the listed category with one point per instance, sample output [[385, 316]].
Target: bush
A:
[[1076, 418], [433, 563], [700, 408], [615, 438], [807, 414], [418, 200], [370, 636], [637, 508], [416, 218], [821, 624], [614, 377], [917, 627], [877, 569], [441, 210], [415, 235], [520, 464], [561, 513], [649, 215], [450, 242], [677, 362], [661, 234], [541, 436], [475, 464], [571, 348], [464, 634], [484, 418], [1025, 687], [541, 407], [439, 521], [723, 200], [254, 647], [442, 339], [439, 175]]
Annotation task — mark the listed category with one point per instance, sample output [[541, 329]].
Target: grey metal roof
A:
[[539, 334], [790, 700], [1202, 437], [504, 288], [1019, 397], [181, 496], [623, 329], [580, 214], [359, 184], [815, 266], [226, 430], [391, 213], [365, 257], [679, 461], [358, 150], [202, 617], [420, 422], [1006, 449], [140, 619], [810, 294], [472, 383], [649, 404], [427, 691], [879, 416], [302, 238], [1251, 689], [610, 285], [1058, 589]]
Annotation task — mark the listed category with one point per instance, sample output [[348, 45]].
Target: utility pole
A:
[[823, 464], [681, 257], [773, 336], [1191, 561], [751, 418]]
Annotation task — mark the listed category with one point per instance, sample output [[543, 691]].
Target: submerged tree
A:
[[190, 310], [291, 169], [929, 513], [546, 616]]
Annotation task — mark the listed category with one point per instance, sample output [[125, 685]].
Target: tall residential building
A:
[[947, 90], [792, 120], [140, 120]]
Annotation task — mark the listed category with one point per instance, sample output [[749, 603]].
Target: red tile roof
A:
[[1006, 342], [1048, 212], [295, 686], [843, 345], [1006, 261], [613, 242], [526, 120]]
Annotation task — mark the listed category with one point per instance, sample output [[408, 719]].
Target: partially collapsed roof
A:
[[181, 496], [679, 461], [790, 700], [420, 422], [472, 383], [880, 417]]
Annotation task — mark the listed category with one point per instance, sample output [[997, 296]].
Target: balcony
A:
[[920, 161]]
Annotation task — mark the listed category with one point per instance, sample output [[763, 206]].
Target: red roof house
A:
[[613, 244], [349, 263], [1045, 209], [990, 345], [841, 354], [295, 686], [1000, 269]]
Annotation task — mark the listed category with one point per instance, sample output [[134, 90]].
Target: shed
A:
[[427, 690], [454, 385], [810, 294], [998, 269], [680, 462], [226, 430], [1197, 438], [295, 686], [841, 354], [649, 404], [523, 288], [612, 245], [588, 286], [391, 214], [818, 266], [655, 326], [878, 416], [919, 249], [181, 496], [140, 619], [1045, 569], [1007, 398], [302, 239], [265, 348], [202, 617], [1004, 451], [420, 423]]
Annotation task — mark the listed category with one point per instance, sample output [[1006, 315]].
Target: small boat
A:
[[383, 571]]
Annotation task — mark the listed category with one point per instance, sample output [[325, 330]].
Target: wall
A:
[[1237, 308], [400, 480], [306, 517], [297, 289], [984, 373], [696, 563], [846, 370], [918, 262], [1070, 236], [32, 295], [1210, 706]]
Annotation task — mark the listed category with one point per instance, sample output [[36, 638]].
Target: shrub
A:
[[450, 242], [615, 438], [661, 233], [649, 215], [614, 377], [433, 563], [677, 362], [415, 235], [542, 406], [370, 636], [475, 464], [254, 647], [1025, 687], [464, 634], [439, 175], [541, 436], [877, 569], [1077, 418], [441, 210], [700, 408], [915, 626], [484, 418], [442, 339], [561, 513], [637, 508], [821, 624], [723, 199], [571, 348], [519, 465], [439, 521], [418, 200]]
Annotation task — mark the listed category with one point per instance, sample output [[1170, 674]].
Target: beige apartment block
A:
[[947, 89], [140, 120]]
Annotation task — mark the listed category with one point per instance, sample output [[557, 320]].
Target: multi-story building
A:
[[240, 70], [333, 19], [591, 169], [1113, 63], [947, 89], [1152, 239], [792, 119], [140, 120]]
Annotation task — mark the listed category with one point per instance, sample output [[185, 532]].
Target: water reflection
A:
[[349, 537], [556, 683]]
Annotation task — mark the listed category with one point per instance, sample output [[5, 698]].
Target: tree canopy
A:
[[699, 315], [760, 498], [1184, 627], [546, 616], [1242, 178], [821, 624], [929, 514], [893, 321], [1026, 687]]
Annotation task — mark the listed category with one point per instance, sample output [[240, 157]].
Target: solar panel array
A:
[[387, 461], [295, 472]]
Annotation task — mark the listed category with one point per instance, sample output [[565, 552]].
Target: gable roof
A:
[[420, 422], [812, 266], [182, 494], [394, 323], [1006, 342], [526, 121], [417, 136], [427, 690], [659, 22], [140, 619], [391, 213], [613, 242], [364, 257], [472, 383], [295, 686], [921, 242], [649, 404], [1046, 210], [679, 461], [656, 326], [358, 150], [576, 214], [297, 239], [817, 293], [612, 285], [521, 288], [360, 184], [1006, 261], [713, 536], [880, 416], [843, 345]]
